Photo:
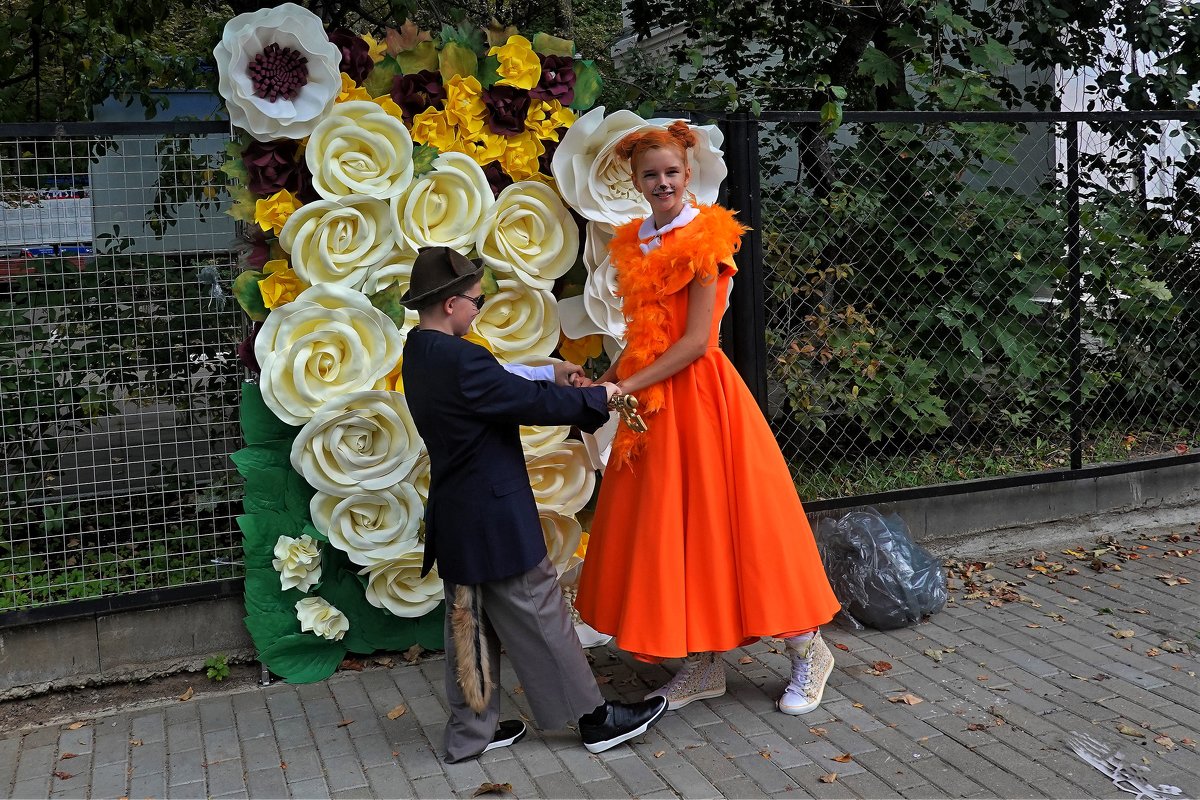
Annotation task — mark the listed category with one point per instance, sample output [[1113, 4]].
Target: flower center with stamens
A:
[[278, 73]]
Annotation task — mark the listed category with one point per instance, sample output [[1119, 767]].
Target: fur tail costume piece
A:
[[473, 666]]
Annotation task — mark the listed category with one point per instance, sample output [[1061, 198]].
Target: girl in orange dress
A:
[[699, 543]]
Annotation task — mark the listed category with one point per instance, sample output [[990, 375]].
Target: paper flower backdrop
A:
[[360, 149]]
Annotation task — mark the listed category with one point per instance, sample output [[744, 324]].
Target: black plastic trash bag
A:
[[881, 577]]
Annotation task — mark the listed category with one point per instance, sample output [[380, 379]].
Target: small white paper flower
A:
[[520, 322], [298, 562], [562, 534], [291, 33], [445, 206], [398, 586], [317, 615], [358, 148], [326, 343], [562, 478], [338, 241], [418, 476], [529, 234], [370, 527]]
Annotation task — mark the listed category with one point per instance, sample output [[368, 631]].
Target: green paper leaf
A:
[[297, 495], [261, 531], [424, 157], [259, 423], [588, 85], [489, 71], [423, 56], [387, 300], [379, 82], [266, 629], [303, 657], [265, 595], [249, 297], [547, 45], [455, 60], [242, 207], [259, 457], [489, 283]]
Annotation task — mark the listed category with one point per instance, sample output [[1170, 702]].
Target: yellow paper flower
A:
[[520, 158], [272, 212], [378, 49], [464, 104], [351, 91], [483, 147], [581, 551], [545, 118], [281, 285], [577, 351], [434, 128], [519, 65], [394, 382], [386, 102], [479, 339]]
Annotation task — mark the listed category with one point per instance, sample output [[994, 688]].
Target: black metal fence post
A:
[[747, 330], [1074, 297]]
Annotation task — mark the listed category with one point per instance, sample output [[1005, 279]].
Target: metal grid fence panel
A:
[[118, 371], [919, 299]]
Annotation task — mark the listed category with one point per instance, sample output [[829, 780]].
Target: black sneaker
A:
[[509, 731], [622, 722]]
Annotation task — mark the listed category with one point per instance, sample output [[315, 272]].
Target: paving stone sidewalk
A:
[[1100, 641]]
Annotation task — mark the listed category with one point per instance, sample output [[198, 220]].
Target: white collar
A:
[[651, 237]]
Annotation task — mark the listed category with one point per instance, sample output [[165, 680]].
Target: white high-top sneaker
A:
[[701, 676], [812, 662]]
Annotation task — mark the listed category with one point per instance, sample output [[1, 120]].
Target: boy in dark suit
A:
[[482, 529]]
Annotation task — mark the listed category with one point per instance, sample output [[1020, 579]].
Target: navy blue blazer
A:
[[481, 521]]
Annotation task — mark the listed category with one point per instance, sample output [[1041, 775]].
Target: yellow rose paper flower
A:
[[281, 285], [520, 158], [464, 104], [578, 351], [434, 128], [272, 212], [351, 91], [386, 102], [545, 118], [378, 49], [519, 65], [483, 147]]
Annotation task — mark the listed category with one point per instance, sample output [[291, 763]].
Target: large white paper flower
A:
[[358, 148], [338, 241], [529, 234], [419, 476], [562, 478], [283, 41], [562, 534], [326, 343], [370, 527], [317, 615], [520, 322], [398, 586], [298, 562], [445, 206], [538, 438], [364, 441], [598, 309], [394, 270], [597, 184]]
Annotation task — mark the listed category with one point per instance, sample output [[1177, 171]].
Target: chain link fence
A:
[[118, 373], [950, 299]]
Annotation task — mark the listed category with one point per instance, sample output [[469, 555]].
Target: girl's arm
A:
[[702, 300]]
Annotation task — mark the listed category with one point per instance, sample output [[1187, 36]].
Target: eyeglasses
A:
[[476, 301]]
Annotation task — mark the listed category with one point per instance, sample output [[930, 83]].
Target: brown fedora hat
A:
[[438, 273]]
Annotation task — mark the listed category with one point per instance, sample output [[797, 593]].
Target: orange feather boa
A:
[[645, 281]]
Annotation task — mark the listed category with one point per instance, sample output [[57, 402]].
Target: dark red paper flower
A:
[[507, 108], [557, 81], [416, 92], [271, 166], [356, 54], [497, 178], [545, 159], [245, 350]]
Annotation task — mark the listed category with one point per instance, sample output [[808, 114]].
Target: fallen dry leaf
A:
[[65, 756], [1129, 730], [765, 754], [135, 742], [829, 778], [187, 695], [977, 726], [881, 666], [519, 689], [63, 776], [843, 758], [413, 653], [74, 726], [936, 655], [1174, 647], [603, 679], [745, 660], [1187, 742], [345, 722], [817, 731], [1165, 741], [384, 661], [353, 664], [908, 698], [1153, 651], [857, 705], [1032, 625], [398, 712], [841, 646], [492, 788], [1123, 634], [660, 754]]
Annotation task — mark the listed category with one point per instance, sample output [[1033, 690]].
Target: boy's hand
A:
[[568, 374], [611, 389]]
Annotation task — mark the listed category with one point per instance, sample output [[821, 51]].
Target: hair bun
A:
[[683, 133]]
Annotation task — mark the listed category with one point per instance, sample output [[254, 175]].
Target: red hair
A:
[[678, 136]]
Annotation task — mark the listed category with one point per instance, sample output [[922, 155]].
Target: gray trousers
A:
[[526, 614]]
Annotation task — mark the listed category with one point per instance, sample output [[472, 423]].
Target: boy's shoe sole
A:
[[507, 734], [600, 747]]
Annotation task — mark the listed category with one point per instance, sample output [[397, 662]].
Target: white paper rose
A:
[[562, 534], [594, 182], [298, 562], [418, 476], [445, 206], [317, 615], [365, 441], [598, 309], [338, 241], [520, 322], [370, 527], [539, 438], [358, 148], [326, 343], [398, 586], [562, 478], [394, 270], [529, 234], [277, 50]]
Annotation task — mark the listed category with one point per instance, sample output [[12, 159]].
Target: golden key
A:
[[626, 405]]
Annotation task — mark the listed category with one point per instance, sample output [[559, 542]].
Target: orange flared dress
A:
[[699, 541]]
